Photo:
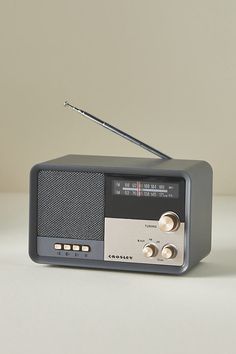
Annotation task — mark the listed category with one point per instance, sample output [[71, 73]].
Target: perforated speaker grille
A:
[[71, 205]]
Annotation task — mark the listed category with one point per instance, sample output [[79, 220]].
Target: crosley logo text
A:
[[116, 256]]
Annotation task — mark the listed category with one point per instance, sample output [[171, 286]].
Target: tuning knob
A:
[[169, 251], [150, 250], [169, 221]]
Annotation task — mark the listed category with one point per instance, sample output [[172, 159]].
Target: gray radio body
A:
[[121, 213]]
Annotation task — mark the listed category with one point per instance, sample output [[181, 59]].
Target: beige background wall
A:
[[165, 71]]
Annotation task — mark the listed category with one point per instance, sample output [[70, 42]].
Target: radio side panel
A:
[[200, 204]]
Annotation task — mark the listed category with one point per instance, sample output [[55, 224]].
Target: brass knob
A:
[[150, 250], [169, 251], [169, 221]]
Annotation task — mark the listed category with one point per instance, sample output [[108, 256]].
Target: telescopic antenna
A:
[[118, 131]]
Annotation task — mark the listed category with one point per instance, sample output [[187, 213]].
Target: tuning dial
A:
[[150, 250], [169, 251], [169, 222]]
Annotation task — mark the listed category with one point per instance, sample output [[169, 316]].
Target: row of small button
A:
[[68, 247]]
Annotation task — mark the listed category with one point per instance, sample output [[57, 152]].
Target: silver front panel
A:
[[125, 239]]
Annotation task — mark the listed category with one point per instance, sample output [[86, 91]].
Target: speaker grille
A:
[[71, 205]]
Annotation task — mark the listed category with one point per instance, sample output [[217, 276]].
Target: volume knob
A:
[[169, 221], [169, 251], [150, 250]]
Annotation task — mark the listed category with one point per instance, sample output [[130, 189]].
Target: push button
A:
[[57, 246], [85, 248], [76, 247], [67, 247]]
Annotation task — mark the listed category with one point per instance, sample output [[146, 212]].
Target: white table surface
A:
[[47, 309]]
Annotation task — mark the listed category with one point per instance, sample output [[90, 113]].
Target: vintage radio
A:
[[121, 213]]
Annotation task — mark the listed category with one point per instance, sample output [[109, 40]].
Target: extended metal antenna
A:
[[118, 132]]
